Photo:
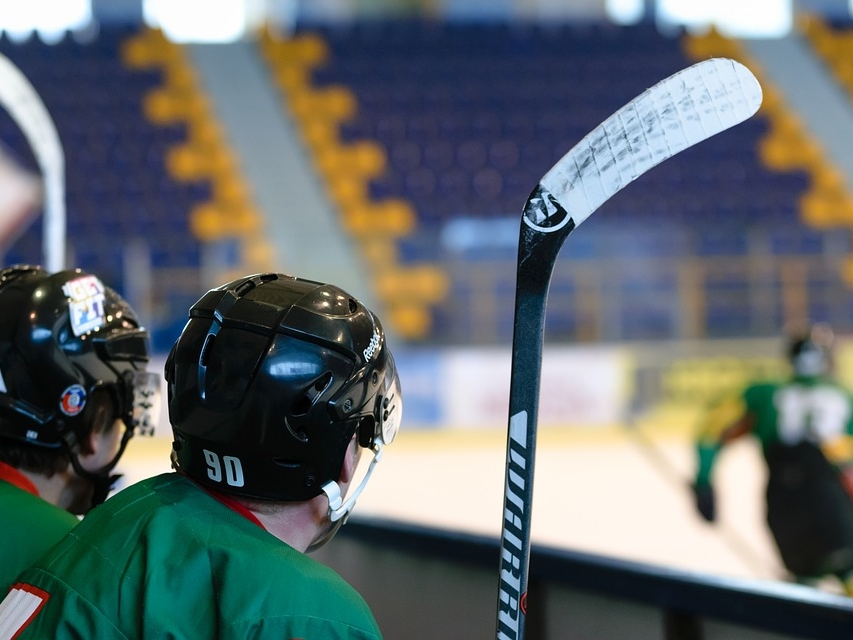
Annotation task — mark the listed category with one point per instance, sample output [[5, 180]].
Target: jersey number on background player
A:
[[817, 414]]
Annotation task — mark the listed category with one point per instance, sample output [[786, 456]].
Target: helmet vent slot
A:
[[287, 464], [206, 349], [322, 382], [353, 306], [303, 403], [244, 288]]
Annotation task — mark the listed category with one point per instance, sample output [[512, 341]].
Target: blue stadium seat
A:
[[117, 185]]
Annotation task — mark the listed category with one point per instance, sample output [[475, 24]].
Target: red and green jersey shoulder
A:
[[164, 559], [31, 526]]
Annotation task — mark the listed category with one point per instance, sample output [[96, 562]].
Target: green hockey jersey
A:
[[164, 559], [30, 527]]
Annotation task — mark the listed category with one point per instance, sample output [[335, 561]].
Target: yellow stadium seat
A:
[[411, 321]]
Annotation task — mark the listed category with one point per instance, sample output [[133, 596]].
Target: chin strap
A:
[[103, 484], [327, 535], [338, 509], [102, 481]]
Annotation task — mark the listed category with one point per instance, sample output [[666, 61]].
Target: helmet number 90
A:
[[232, 467]]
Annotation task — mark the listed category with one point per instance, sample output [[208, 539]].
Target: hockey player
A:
[[73, 389], [804, 426], [276, 385]]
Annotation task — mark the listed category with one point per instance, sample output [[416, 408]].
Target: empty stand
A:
[[118, 189], [417, 128], [471, 116]]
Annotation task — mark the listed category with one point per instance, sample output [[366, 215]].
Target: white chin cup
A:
[[340, 509]]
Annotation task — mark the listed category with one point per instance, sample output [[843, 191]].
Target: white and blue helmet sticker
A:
[[86, 302]]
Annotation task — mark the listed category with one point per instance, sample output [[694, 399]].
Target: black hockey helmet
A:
[[809, 350], [62, 336], [269, 380]]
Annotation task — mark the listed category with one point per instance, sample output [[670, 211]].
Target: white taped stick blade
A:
[[686, 108]]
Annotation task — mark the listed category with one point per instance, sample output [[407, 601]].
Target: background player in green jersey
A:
[[276, 387], [72, 356], [804, 426]]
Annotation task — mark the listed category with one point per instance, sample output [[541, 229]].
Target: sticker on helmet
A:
[[72, 400], [85, 304]]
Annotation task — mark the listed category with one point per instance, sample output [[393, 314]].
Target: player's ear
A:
[[100, 444], [350, 461]]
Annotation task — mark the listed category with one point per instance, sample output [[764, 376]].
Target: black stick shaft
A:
[[537, 255]]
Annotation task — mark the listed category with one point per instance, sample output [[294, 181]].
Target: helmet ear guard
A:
[[375, 433], [383, 424], [375, 389]]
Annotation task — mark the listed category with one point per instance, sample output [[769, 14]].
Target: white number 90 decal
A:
[[229, 469]]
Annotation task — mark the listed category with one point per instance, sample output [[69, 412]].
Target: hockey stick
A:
[[25, 106], [686, 108]]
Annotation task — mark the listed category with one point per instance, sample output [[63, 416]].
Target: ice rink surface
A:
[[608, 492]]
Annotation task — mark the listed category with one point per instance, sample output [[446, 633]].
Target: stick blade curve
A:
[[686, 108]]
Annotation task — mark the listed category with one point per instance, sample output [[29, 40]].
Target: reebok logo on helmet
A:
[[370, 349]]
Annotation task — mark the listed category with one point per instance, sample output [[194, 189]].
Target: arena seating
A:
[[117, 188], [471, 116], [445, 124]]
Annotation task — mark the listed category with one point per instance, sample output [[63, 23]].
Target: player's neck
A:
[[297, 524], [53, 489]]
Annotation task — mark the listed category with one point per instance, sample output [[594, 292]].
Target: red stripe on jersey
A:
[[229, 502], [234, 505], [18, 610], [11, 475]]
